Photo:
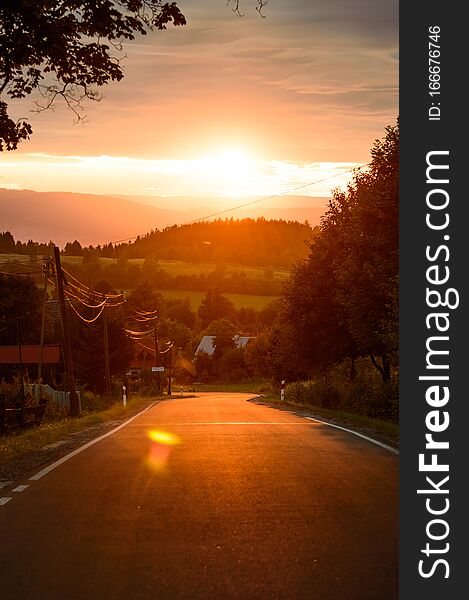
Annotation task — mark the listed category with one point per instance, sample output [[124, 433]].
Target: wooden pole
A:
[[107, 365], [75, 408], [20, 357], [170, 368], [157, 359], [43, 323]]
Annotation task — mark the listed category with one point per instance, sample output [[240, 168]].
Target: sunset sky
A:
[[228, 106]]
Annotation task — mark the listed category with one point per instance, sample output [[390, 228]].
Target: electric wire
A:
[[95, 306], [88, 321], [257, 201]]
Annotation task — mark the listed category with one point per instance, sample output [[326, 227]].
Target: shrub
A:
[[365, 395]]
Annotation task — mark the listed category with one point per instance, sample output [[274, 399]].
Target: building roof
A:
[[9, 355], [206, 343]]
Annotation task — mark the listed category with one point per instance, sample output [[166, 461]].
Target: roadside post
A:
[[124, 395], [282, 391]]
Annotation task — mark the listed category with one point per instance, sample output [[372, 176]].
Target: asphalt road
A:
[[208, 497]]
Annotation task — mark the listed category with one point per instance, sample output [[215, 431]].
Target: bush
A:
[[365, 395]]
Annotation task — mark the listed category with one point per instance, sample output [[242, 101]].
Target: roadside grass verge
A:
[[256, 387], [383, 429], [21, 442]]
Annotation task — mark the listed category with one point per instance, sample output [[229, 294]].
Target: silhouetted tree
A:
[[19, 299], [343, 299], [63, 48], [213, 307]]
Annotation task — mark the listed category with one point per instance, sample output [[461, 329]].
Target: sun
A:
[[232, 169], [229, 160]]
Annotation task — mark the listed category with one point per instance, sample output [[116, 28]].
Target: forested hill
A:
[[247, 241], [252, 242]]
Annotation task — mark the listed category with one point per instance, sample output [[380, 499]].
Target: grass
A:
[[173, 267], [20, 443], [387, 429], [255, 387], [239, 300], [179, 267]]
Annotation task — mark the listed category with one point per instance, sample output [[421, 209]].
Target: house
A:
[[29, 358], [206, 343], [144, 358], [10, 355]]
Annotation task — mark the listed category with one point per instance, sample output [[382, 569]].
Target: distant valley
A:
[[97, 219]]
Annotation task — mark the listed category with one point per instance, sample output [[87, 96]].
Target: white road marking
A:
[[4, 500], [226, 423], [5, 483], [20, 488], [360, 435], [59, 462]]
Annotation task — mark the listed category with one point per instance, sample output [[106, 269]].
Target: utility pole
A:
[[20, 357], [75, 408], [157, 359], [170, 368], [107, 365], [43, 323]]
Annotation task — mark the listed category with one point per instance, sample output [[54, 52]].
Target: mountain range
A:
[[97, 219]]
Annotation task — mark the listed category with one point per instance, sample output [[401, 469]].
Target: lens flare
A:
[[163, 437], [160, 450]]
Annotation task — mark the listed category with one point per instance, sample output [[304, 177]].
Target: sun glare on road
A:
[[163, 437], [160, 449]]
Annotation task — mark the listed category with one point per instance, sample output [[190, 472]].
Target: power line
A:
[[300, 187], [263, 199], [70, 295], [89, 291], [87, 321]]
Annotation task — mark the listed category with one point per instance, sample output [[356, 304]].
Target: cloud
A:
[[313, 81]]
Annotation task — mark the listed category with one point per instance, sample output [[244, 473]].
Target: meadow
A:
[[173, 267]]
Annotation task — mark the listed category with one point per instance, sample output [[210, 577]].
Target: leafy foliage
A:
[[342, 300], [63, 48], [20, 300], [215, 307]]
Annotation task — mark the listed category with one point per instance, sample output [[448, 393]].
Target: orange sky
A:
[[260, 104]]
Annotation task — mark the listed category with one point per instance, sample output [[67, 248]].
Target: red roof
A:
[[9, 355]]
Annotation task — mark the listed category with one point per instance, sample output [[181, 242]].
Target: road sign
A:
[[157, 369]]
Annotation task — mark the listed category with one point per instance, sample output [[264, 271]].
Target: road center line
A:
[[226, 423], [360, 435], [59, 462], [20, 488], [4, 500]]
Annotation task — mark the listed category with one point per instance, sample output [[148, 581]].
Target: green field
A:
[[179, 267], [239, 300], [173, 267]]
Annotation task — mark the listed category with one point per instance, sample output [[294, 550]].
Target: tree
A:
[[19, 299], [224, 333], [176, 332], [88, 352], [367, 269], [180, 310], [73, 249], [214, 306], [7, 241], [63, 48], [342, 301], [312, 307], [144, 297], [275, 354]]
